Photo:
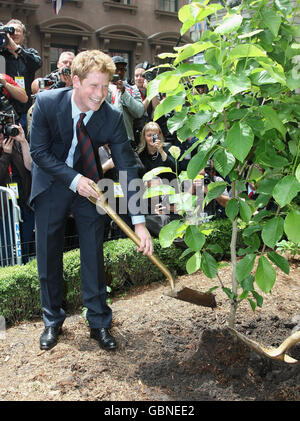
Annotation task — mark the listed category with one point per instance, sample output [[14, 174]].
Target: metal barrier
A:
[[10, 238]]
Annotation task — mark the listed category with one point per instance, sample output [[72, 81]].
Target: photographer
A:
[[141, 80], [61, 77], [125, 97], [15, 165], [21, 65]]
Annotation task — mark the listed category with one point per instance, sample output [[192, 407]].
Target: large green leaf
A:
[[193, 263], [209, 265], [169, 83], [169, 232], [272, 20], [245, 211], [224, 161], [279, 261], [230, 23], [272, 160], [285, 190], [246, 50], [191, 14], [239, 140], [177, 120], [272, 231], [232, 209], [273, 119], [265, 275], [198, 162], [292, 226], [199, 119], [194, 239], [214, 190], [190, 50], [169, 104], [220, 101], [244, 267], [238, 83]]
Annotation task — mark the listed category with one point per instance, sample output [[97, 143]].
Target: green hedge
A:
[[124, 267]]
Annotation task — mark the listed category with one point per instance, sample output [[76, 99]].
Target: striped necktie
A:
[[89, 165]]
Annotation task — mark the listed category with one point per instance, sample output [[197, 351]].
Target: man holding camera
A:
[[61, 77], [125, 97], [21, 65]]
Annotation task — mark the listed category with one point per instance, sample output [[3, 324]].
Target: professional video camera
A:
[[8, 116], [4, 30], [149, 75], [53, 79]]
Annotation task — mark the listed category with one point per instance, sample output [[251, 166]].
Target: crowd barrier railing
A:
[[10, 238]]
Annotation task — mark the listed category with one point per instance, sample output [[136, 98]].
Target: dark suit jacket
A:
[[52, 134]]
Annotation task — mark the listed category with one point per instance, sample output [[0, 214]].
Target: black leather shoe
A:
[[104, 338], [49, 337]]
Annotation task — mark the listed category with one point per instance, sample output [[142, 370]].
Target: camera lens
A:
[[11, 131]]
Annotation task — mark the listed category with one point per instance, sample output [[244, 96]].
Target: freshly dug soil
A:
[[168, 350]]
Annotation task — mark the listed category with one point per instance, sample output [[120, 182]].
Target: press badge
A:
[[14, 188], [118, 192], [20, 81]]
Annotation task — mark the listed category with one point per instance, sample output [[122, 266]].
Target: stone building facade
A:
[[137, 29]]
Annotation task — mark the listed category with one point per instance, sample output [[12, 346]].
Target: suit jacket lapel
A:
[[64, 118]]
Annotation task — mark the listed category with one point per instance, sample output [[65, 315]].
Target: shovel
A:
[[185, 294], [279, 353]]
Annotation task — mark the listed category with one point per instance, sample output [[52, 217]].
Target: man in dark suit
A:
[[59, 185]]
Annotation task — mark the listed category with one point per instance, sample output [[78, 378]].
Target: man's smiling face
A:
[[91, 92]]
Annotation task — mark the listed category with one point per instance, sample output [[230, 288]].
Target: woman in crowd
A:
[[153, 151]]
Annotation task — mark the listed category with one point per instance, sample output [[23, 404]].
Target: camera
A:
[[155, 138], [115, 78], [8, 116], [4, 30], [5, 105], [66, 71], [149, 75], [7, 125], [52, 80], [45, 82]]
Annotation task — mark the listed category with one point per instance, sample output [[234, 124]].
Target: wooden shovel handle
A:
[[129, 232]]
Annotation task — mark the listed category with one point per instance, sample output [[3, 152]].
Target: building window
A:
[[168, 5], [55, 52]]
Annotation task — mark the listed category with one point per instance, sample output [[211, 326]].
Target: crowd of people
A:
[[86, 120]]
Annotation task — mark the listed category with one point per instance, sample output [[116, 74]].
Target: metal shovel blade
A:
[[194, 297], [186, 294]]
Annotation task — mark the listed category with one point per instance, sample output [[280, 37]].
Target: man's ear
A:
[[76, 82]]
